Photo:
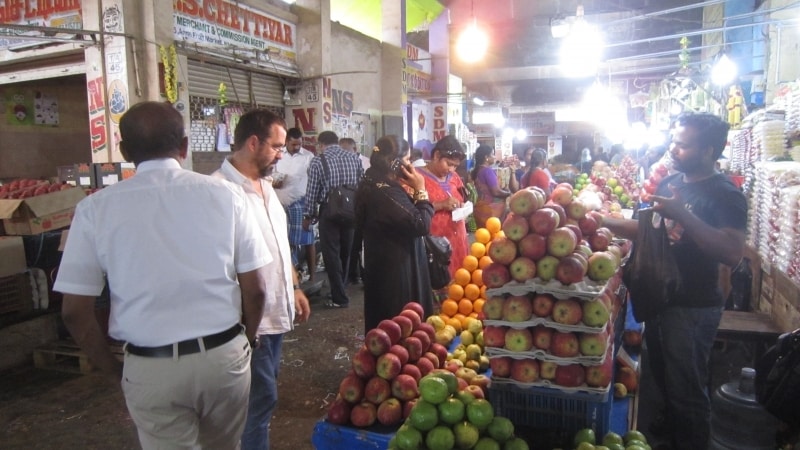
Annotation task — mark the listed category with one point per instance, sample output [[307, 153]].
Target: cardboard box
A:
[[42, 213], [12, 256], [84, 175], [106, 174]]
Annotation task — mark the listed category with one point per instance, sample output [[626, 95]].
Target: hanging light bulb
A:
[[472, 44], [724, 71]]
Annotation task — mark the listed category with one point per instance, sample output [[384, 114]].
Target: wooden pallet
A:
[[66, 356]]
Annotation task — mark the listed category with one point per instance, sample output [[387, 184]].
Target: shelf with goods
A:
[[762, 151]]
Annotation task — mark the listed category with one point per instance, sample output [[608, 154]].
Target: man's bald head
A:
[[152, 130]]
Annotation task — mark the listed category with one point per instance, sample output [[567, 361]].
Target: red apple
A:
[[408, 406], [544, 221], [430, 356], [351, 388], [576, 209], [522, 269], [476, 391], [390, 412], [440, 351], [547, 370], [496, 275], [628, 377], [377, 341], [406, 326], [533, 246], [593, 344], [392, 329], [564, 345], [570, 270], [364, 363], [412, 370], [423, 338], [561, 195], [502, 250], [416, 307], [428, 328], [600, 375], [571, 375], [517, 309], [525, 370], [562, 215], [602, 266], [404, 387], [482, 381], [363, 414], [542, 337], [494, 336], [545, 268], [377, 390], [416, 319], [388, 366], [401, 353], [493, 308], [339, 412], [576, 231], [414, 347], [542, 305], [588, 225], [501, 366], [561, 242], [517, 340], [425, 366], [567, 311], [523, 202], [515, 227]]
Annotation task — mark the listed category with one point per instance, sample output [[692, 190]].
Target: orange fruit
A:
[[449, 308], [456, 323], [473, 314], [483, 235], [477, 305], [483, 291], [455, 291], [465, 321], [477, 249], [484, 261], [445, 317], [465, 306], [493, 224], [477, 277], [499, 234], [462, 277], [470, 263], [472, 291]]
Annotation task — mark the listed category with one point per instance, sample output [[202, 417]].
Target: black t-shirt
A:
[[717, 202]]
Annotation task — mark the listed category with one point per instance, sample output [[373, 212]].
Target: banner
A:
[[220, 23], [54, 14]]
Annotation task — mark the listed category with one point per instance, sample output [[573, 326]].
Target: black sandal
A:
[[331, 304]]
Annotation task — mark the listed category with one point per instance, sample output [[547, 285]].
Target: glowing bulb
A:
[[724, 71], [472, 44], [508, 134], [581, 51], [521, 134]]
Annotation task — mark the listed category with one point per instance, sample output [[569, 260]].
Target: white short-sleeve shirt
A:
[[267, 211], [170, 242], [295, 167]]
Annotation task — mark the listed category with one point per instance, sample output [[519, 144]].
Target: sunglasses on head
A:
[[452, 153]]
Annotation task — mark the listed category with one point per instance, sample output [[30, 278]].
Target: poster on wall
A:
[[422, 128], [45, 109], [19, 107], [553, 146], [359, 130]]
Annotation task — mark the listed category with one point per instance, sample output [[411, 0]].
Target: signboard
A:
[[543, 123], [55, 14], [220, 23], [554, 146]]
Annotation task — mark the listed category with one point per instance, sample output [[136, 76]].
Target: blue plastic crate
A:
[[552, 409], [328, 436]]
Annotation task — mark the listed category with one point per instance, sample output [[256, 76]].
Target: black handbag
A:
[[778, 379], [340, 206], [651, 273], [439, 252]]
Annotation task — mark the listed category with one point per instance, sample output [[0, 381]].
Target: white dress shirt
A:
[[170, 242], [271, 219], [295, 168]]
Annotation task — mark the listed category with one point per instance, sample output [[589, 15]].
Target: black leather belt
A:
[[186, 347]]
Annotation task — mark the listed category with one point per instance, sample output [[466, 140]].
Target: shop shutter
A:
[[205, 77], [267, 90]]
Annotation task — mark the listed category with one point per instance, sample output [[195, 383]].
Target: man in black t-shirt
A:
[[706, 216]]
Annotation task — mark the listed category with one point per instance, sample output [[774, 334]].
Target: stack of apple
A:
[[555, 239], [24, 188], [447, 417], [385, 371], [658, 171]]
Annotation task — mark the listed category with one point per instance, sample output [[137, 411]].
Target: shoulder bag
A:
[[439, 252], [651, 273], [340, 206], [778, 379]]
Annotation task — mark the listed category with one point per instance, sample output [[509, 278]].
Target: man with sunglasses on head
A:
[[258, 145]]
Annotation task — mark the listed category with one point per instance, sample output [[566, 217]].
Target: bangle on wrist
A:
[[420, 195]]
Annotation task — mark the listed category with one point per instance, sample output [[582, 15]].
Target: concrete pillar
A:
[[393, 97], [314, 56]]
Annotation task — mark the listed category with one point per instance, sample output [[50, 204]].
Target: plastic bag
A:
[[439, 252], [651, 274]]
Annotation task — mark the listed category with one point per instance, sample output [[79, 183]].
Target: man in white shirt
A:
[[184, 262], [291, 191], [258, 143]]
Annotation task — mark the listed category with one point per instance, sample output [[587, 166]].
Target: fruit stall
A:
[[525, 349]]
